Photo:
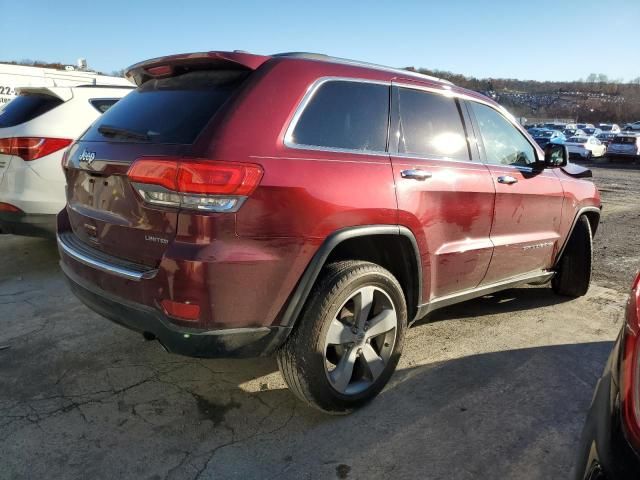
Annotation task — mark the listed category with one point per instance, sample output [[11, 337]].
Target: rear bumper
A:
[[32, 225], [630, 156], [225, 343]]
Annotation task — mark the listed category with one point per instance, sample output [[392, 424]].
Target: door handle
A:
[[507, 179], [416, 174]]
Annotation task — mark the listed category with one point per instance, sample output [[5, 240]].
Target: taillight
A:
[[630, 381], [195, 184], [7, 207], [32, 148]]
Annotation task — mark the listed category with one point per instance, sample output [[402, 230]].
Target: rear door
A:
[[445, 194], [162, 118], [528, 206]]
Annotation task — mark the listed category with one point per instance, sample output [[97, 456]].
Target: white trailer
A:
[[13, 77]]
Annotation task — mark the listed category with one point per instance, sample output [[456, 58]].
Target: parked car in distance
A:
[[582, 126], [610, 440], [606, 137], [624, 145], [555, 126], [573, 132], [533, 131], [635, 126], [592, 131], [312, 208], [585, 147], [35, 129], [609, 127], [549, 136]]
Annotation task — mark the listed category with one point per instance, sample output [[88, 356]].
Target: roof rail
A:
[[104, 85], [344, 61]]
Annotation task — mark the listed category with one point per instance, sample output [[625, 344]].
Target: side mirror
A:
[[555, 155]]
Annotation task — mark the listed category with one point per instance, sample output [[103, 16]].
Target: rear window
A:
[[26, 107], [625, 140], [345, 115], [169, 110]]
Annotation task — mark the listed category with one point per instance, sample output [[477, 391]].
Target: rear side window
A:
[[430, 125], [345, 115], [26, 107], [169, 110], [103, 104]]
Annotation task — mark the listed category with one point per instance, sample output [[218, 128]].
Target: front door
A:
[[528, 206]]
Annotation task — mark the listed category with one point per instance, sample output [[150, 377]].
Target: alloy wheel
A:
[[360, 340]]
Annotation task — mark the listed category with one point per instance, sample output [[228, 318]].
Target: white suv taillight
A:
[[197, 184], [32, 148]]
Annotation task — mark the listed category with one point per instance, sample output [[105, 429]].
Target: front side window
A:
[[345, 115], [430, 125], [503, 143]]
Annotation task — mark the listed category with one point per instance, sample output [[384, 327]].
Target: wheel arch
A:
[[364, 243], [593, 216]]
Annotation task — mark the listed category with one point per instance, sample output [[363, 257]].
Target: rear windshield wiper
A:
[[110, 131]]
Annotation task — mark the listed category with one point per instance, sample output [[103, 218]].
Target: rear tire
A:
[[573, 275], [348, 340]]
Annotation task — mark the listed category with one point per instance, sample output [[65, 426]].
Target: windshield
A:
[[606, 128]]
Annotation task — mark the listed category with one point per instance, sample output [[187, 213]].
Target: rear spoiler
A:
[[63, 93], [167, 66]]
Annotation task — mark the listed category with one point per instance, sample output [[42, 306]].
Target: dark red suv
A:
[[313, 207]]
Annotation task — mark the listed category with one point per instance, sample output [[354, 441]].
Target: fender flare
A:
[[581, 212], [311, 273]]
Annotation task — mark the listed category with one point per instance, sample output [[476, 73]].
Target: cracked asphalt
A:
[[493, 388]]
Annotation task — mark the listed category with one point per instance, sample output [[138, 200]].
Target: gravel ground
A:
[[492, 388]]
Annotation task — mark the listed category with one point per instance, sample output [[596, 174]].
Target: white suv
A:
[[35, 129]]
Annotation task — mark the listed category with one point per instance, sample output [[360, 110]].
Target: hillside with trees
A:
[[594, 99]]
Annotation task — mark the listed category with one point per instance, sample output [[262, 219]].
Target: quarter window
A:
[[103, 104], [503, 143], [345, 115], [430, 125]]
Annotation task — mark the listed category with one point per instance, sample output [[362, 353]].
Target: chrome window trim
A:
[[444, 90], [103, 266], [435, 158], [308, 96]]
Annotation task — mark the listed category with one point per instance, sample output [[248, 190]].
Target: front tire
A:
[[573, 275], [349, 338]]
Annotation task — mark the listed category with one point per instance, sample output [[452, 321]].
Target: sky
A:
[[535, 40]]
